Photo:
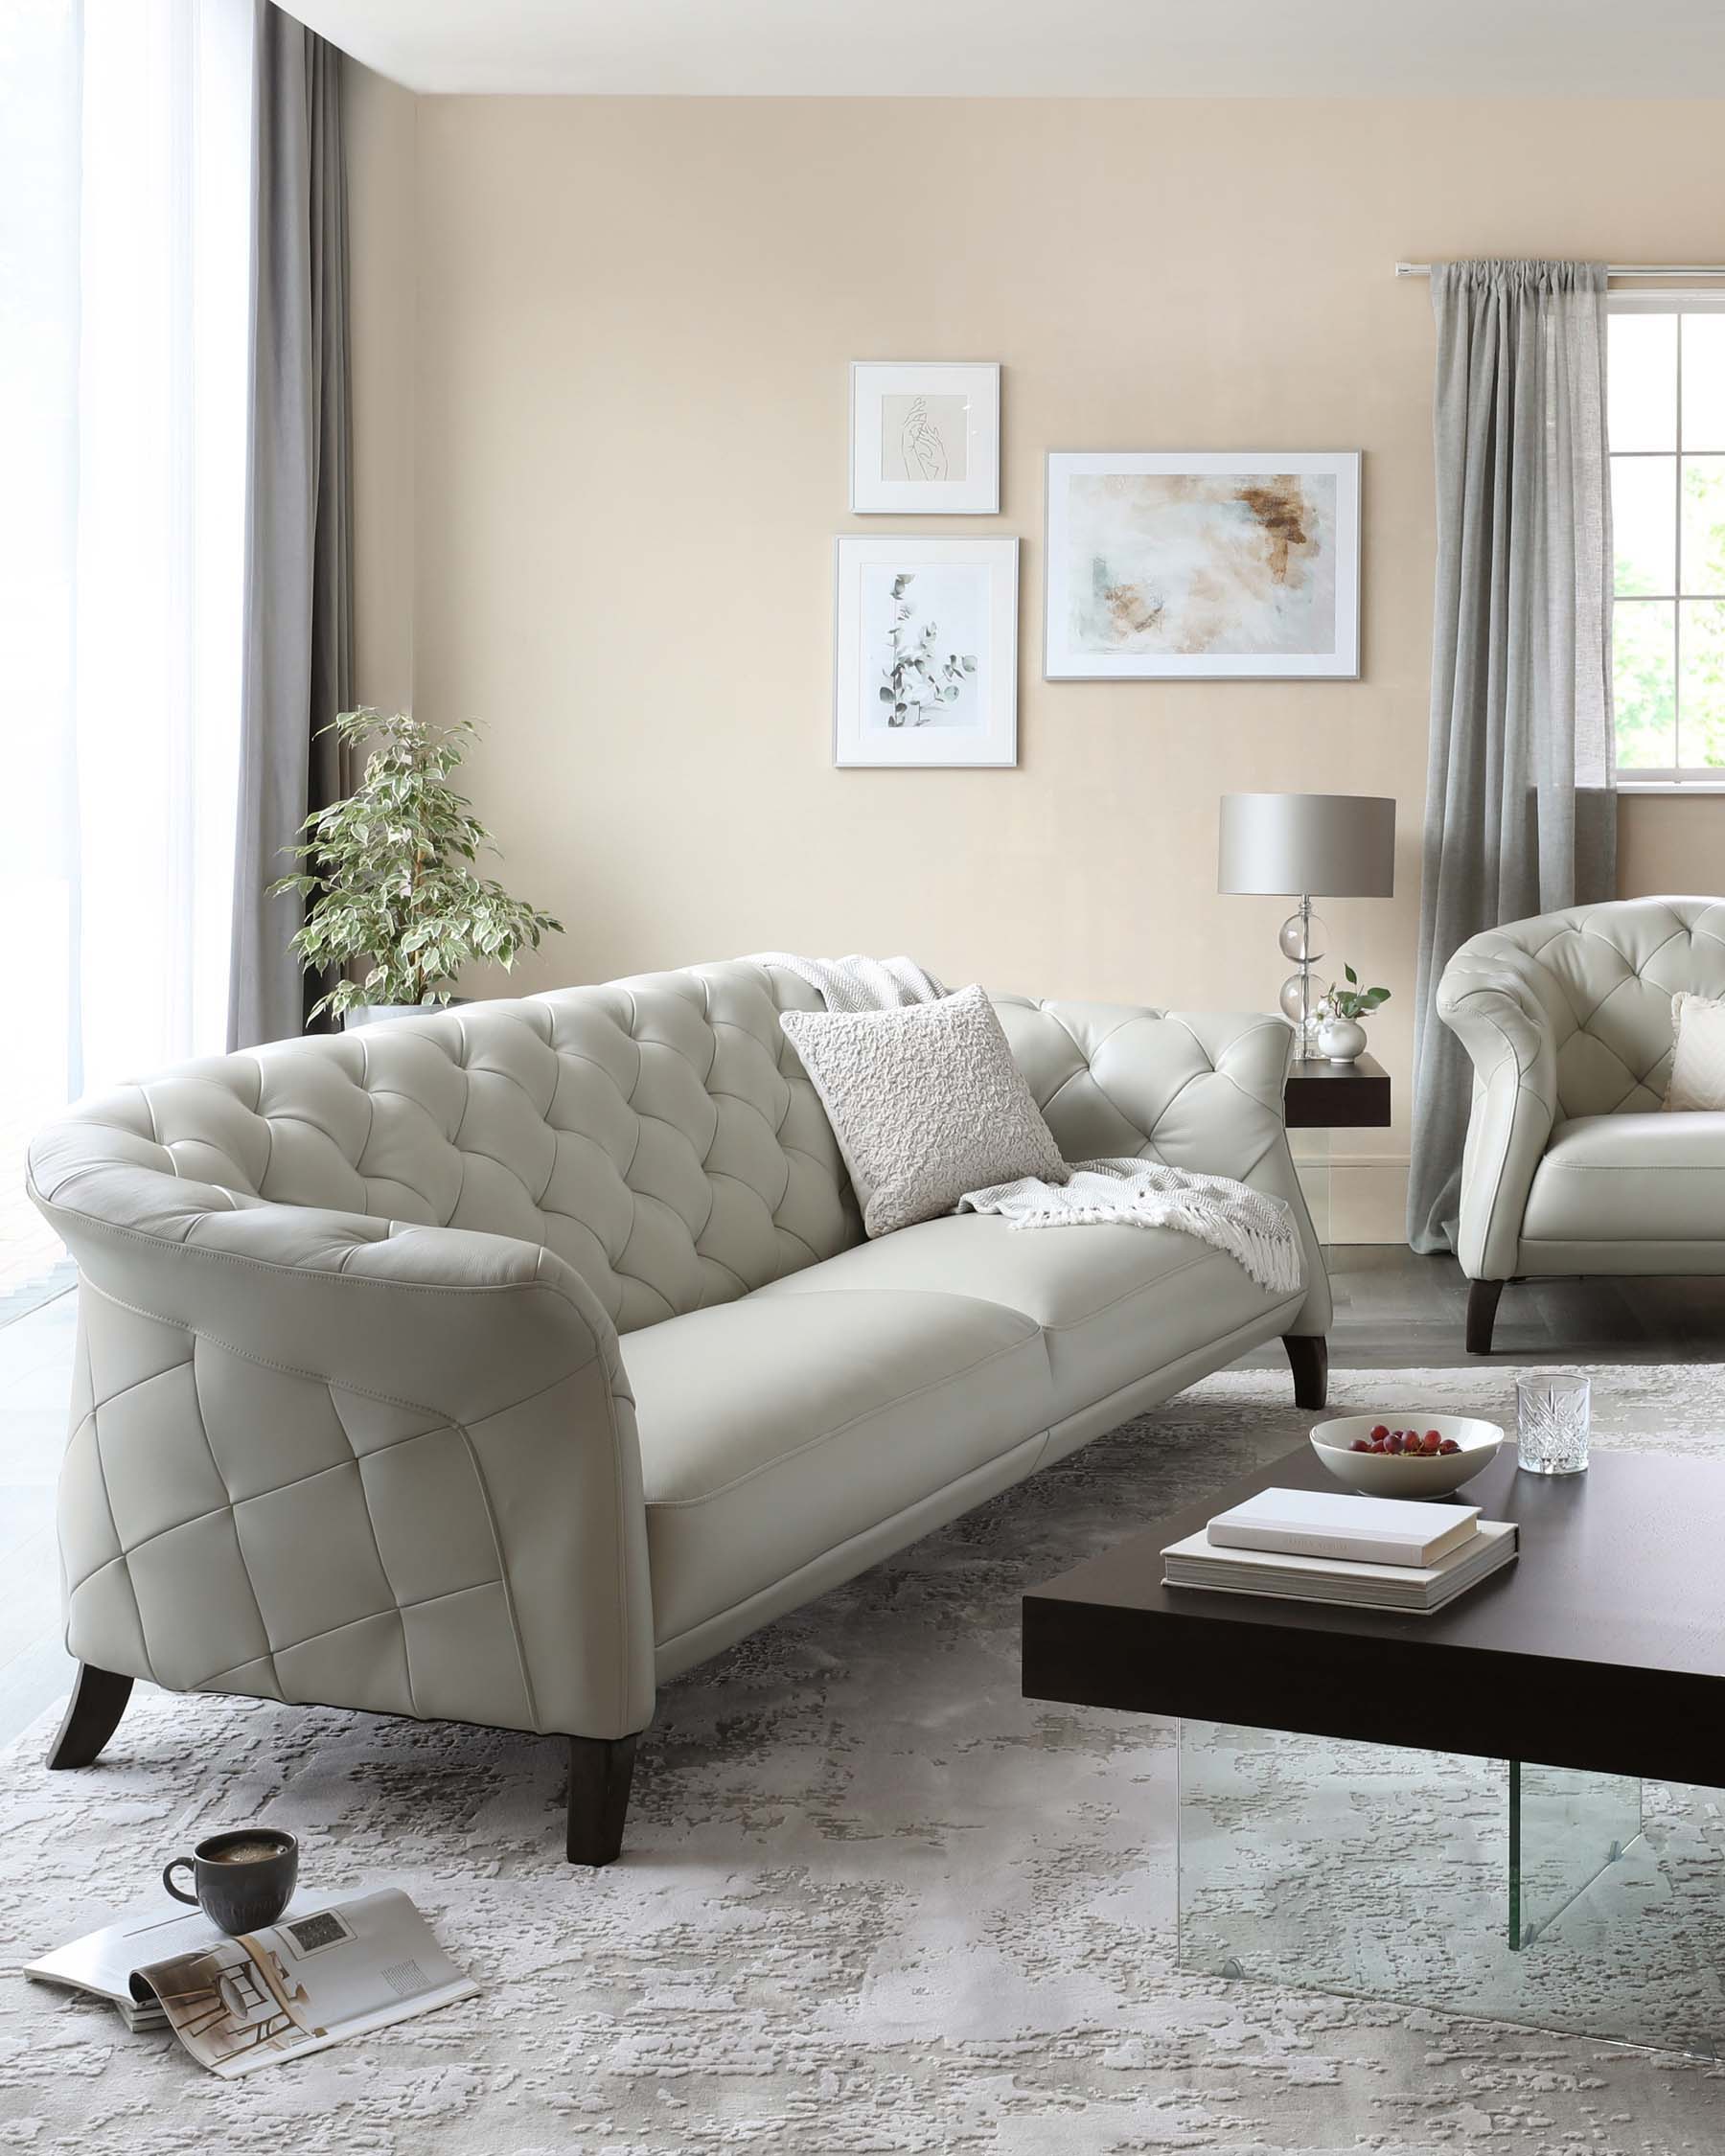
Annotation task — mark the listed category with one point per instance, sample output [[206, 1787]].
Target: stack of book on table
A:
[[1322, 1545]]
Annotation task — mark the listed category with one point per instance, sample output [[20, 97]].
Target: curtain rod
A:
[[1612, 269]]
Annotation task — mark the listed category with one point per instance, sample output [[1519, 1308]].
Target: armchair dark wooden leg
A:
[[1481, 1314], [1308, 1358], [600, 1772], [92, 1716]]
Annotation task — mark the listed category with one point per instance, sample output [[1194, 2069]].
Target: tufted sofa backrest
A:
[[1120, 1079], [1605, 977], [658, 1134]]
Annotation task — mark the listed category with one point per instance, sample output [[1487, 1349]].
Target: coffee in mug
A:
[[244, 1878], [252, 1848]]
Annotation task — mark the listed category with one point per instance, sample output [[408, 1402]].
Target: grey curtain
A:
[[1521, 816], [298, 633]]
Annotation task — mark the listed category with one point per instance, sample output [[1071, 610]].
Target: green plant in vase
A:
[[1341, 1037], [390, 884]]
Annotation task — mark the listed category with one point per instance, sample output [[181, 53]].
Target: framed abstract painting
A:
[[925, 438], [925, 653], [1189, 565]]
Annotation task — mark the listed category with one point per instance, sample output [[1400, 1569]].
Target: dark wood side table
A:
[[1334, 1096], [1326, 1096]]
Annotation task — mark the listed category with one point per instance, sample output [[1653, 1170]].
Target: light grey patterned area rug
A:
[[873, 1903]]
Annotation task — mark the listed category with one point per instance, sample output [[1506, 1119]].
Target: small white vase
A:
[[1340, 1040]]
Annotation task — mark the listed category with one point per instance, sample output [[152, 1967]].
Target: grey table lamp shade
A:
[[1312, 845]]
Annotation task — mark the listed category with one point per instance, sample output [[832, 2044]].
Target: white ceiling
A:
[[1038, 47]]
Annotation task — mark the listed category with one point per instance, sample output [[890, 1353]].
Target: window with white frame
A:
[[1666, 380]]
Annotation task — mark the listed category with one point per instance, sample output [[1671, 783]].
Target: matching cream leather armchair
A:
[[498, 1365], [1572, 1165]]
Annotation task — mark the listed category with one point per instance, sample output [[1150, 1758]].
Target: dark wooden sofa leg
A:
[[600, 1772], [1481, 1314], [92, 1716], [1308, 1358]]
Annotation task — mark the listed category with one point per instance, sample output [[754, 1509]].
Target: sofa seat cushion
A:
[[1117, 1303], [1633, 1177], [774, 1430]]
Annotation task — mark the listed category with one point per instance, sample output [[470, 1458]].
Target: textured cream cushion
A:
[[1699, 1054], [926, 1103]]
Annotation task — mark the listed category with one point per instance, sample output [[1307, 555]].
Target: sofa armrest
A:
[[1199, 1089], [320, 1456], [1489, 997]]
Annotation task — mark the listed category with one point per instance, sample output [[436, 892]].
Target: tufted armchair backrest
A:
[[1605, 977], [658, 1134]]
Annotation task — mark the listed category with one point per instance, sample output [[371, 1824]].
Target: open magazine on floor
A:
[[317, 1976]]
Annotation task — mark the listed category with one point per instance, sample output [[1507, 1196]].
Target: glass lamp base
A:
[[1303, 938], [1299, 999]]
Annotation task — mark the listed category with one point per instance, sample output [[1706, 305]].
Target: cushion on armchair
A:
[[1697, 1054]]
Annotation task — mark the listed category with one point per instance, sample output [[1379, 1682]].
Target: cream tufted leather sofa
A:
[[498, 1365], [1571, 1166]]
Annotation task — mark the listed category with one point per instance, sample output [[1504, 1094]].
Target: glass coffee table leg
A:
[[1519, 1893], [1358, 1869], [1566, 1828]]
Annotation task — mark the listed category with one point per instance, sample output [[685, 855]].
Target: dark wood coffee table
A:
[[1602, 1646], [1522, 1717]]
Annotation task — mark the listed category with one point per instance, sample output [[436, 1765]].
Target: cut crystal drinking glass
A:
[[1552, 1421]]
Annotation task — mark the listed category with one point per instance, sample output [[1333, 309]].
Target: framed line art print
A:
[[925, 668], [925, 438], [1188, 565]]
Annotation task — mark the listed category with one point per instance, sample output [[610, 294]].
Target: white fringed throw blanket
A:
[[858, 984], [1254, 1229]]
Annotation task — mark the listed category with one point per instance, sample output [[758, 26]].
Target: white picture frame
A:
[[968, 596], [925, 438], [1182, 577]]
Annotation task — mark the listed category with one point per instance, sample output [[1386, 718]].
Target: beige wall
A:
[[625, 376], [380, 118]]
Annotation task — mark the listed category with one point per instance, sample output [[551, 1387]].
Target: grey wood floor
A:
[[1394, 1311], [1397, 1312]]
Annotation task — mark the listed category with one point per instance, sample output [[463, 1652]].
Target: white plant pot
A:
[[1340, 1040], [377, 1014]]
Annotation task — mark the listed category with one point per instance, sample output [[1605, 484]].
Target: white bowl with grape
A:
[[1397, 1455]]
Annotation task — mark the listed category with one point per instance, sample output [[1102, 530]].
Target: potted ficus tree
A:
[[390, 886]]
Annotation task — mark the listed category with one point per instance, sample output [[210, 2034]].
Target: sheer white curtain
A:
[[126, 132]]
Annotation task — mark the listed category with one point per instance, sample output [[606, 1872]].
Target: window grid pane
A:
[[1701, 686], [1667, 480], [1644, 669]]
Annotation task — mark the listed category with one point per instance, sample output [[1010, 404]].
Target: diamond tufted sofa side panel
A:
[[1197, 1090], [325, 1457]]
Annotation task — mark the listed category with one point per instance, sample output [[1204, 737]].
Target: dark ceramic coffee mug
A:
[[244, 1878]]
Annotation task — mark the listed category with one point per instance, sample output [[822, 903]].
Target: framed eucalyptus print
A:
[[925, 653], [1198, 566]]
